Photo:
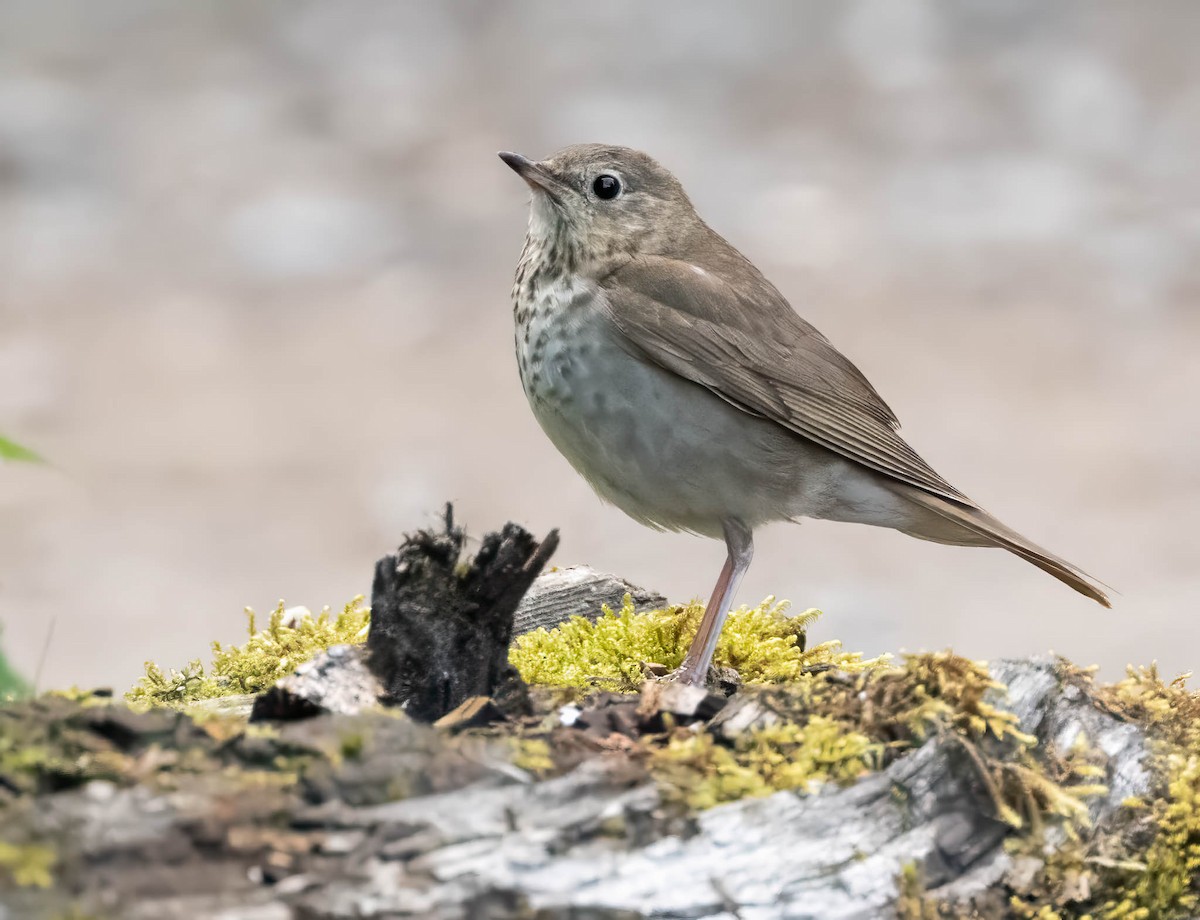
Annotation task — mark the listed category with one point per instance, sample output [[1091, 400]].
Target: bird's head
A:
[[605, 204]]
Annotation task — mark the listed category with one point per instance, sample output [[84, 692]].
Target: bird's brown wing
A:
[[748, 346]]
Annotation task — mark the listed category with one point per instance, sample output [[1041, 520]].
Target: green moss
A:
[[913, 903], [11, 685], [1170, 711], [37, 755], [763, 644], [351, 746], [1163, 879], [1145, 863], [266, 656], [839, 714], [938, 690], [763, 761], [533, 755], [28, 866], [1168, 884]]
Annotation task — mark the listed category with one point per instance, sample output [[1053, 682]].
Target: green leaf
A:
[[11, 684], [10, 450]]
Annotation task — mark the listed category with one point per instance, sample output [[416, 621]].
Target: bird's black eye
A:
[[607, 186]]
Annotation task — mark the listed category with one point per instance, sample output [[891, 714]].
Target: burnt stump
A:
[[441, 625]]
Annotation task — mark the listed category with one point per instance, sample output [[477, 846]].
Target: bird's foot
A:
[[726, 679], [685, 675]]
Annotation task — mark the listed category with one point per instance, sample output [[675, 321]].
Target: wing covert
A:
[[749, 347]]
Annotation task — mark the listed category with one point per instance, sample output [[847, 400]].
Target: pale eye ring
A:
[[606, 186]]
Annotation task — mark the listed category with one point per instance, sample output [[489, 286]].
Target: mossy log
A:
[[375, 816], [936, 788]]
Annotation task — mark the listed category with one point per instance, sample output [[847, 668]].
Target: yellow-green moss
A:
[[831, 730], [26, 758], [1170, 711], [944, 693], [266, 656], [533, 756], [28, 866], [1169, 885], [763, 644], [1165, 878], [1146, 864], [941, 689], [912, 903], [763, 761]]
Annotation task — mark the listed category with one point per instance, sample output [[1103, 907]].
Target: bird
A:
[[680, 383]]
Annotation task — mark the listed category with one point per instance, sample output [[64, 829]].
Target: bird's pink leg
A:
[[740, 544]]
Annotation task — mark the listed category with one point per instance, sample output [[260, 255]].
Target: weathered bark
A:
[[440, 633]]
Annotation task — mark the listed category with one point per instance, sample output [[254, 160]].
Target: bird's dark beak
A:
[[538, 177]]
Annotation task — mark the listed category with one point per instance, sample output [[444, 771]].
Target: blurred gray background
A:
[[255, 260]]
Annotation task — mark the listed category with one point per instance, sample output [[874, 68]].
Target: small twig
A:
[[985, 774]]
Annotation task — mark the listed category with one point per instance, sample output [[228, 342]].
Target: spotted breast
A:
[[646, 440]]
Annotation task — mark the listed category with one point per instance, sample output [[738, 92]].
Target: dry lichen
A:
[[763, 644], [266, 656]]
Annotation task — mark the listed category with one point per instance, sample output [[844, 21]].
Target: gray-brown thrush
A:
[[678, 381]]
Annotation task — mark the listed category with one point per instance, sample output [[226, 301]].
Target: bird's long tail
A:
[[987, 530]]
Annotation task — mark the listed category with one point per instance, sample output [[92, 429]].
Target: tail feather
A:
[[981, 524]]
